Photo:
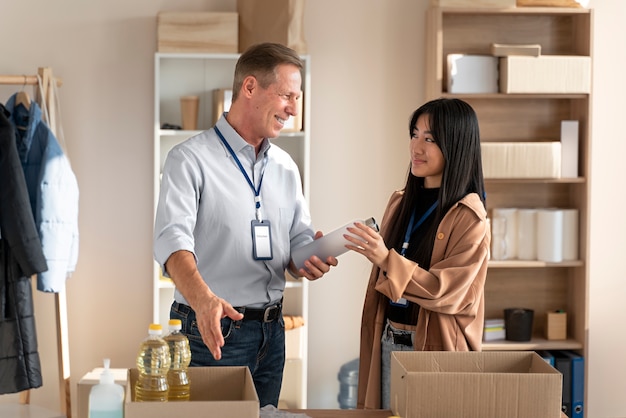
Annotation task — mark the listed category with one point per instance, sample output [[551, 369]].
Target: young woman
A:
[[426, 289]]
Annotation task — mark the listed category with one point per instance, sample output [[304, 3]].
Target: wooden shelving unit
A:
[[543, 287]]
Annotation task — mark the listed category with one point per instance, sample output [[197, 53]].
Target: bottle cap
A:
[[155, 329], [175, 325], [106, 377]]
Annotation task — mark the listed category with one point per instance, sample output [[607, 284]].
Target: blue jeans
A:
[[387, 346], [256, 344]]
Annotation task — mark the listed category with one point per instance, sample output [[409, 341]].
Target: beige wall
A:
[[367, 77]]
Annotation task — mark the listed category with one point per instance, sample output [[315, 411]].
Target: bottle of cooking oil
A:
[[180, 355], [153, 363]]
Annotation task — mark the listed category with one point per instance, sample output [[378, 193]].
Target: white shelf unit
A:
[[177, 75]]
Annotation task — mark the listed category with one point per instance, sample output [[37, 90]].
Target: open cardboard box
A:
[[225, 392], [474, 385]]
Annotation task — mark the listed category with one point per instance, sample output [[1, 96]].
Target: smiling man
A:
[[230, 211]]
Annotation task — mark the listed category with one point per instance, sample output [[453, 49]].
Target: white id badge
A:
[[261, 240]]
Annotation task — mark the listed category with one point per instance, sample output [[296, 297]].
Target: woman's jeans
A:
[[256, 344], [393, 339]]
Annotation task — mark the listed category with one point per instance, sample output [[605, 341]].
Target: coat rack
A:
[[46, 97]]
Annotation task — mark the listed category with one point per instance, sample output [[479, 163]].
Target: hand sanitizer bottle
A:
[[106, 399]]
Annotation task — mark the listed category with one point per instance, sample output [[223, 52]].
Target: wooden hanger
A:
[[23, 99]]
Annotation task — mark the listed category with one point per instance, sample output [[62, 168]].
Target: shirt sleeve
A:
[[177, 207]]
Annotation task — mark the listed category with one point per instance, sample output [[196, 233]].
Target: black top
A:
[[408, 315]]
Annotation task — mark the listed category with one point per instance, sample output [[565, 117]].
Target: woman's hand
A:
[[369, 243]]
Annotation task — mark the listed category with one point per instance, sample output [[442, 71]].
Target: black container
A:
[[518, 324]]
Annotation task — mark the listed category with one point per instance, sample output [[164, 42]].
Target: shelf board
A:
[[516, 10], [561, 180], [512, 96], [533, 264], [198, 55], [165, 283], [292, 284], [177, 132], [183, 133], [534, 344]]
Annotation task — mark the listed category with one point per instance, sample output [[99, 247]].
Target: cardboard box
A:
[[505, 50], [225, 392], [473, 384], [521, 159], [280, 21], [556, 326], [93, 378], [472, 73], [197, 32], [550, 74]]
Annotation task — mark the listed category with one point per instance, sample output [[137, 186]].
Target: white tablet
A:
[[331, 244]]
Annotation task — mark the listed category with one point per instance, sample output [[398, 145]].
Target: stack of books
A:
[[494, 330]]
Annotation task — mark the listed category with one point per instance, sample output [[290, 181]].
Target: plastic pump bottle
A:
[[177, 377], [106, 399], [153, 363]]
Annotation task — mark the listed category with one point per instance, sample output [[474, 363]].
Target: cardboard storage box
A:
[[93, 378], [474, 384], [225, 392], [556, 325], [197, 32], [521, 159], [551, 74]]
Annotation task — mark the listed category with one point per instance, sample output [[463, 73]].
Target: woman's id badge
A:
[[261, 240]]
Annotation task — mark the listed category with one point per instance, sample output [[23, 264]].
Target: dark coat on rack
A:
[[21, 256]]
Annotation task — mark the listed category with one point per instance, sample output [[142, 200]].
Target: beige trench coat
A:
[[450, 294]]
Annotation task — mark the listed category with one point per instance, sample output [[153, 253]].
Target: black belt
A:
[[267, 314], [400, 338]]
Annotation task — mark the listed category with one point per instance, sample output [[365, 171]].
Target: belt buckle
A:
[[267, 312]]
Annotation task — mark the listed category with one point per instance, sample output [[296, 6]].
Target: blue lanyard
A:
[[256, 191], [412, 228]]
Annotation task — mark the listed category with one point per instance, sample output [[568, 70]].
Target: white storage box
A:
[[511, 160], [472, 73], [545, 74]]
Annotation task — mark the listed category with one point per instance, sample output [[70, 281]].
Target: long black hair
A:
[[454, 127]]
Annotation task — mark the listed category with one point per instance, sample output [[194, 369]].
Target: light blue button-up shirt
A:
[[206, 206]]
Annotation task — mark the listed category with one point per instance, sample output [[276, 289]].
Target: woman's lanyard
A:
[[412, 228], [402, 302], [256, 191]]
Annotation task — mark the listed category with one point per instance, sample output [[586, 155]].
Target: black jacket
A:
[[21, 256]]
